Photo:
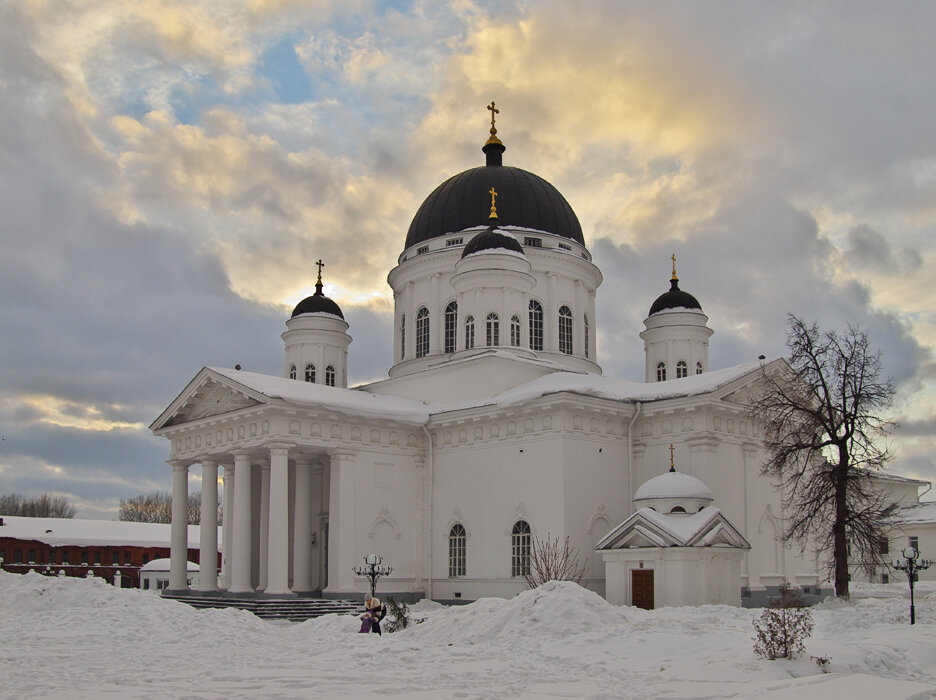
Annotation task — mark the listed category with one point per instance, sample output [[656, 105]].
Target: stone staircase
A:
[[288, 609]]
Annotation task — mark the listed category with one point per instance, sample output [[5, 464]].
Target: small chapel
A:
[[494, 428]]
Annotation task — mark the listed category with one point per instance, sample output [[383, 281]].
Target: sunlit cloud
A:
[[72, 414]]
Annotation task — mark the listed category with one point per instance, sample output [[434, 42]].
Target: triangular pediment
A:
[[646, 528], [208, 394]]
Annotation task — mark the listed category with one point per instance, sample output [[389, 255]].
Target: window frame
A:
[[492, 330], [310, 373], [469, 332], [682, 369], [536, 318], [422, 332], [330, 375], [450, 326], [458, 547], [515, 331], [661, 372], [566, 337], [521, 541]]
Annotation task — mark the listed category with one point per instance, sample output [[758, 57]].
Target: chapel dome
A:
[[317, 303], [460, 202], [673, 485], [492, 239], [675, 298]]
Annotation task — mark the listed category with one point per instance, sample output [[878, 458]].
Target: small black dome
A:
[[492, 239], [675, 298], [317, 303], [524, 199]]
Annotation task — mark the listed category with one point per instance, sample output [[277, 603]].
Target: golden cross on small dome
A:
[[320, 265], [672, 464], [493, 194], [494, 111], [674, 267]]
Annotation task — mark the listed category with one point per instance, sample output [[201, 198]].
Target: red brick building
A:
[[53, 545]]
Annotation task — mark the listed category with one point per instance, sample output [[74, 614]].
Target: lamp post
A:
[[373, 569], [911, 564]]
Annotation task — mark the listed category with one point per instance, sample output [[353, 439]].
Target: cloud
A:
[[869, 249]]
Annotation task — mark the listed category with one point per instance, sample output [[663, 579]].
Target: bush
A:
[[398, 614], [783, 628]]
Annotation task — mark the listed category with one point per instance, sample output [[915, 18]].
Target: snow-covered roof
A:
[[58, 532], [673, 485], [706, 528], [308, 393], [163, 565], [917, 513]]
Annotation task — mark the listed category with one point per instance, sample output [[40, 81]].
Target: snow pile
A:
[[555, 610], [90, 640]]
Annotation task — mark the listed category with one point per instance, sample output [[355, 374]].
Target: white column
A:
[[240, 547], [178, 551], [278, 534], [436, 319], [341, 523], [264, 524], [208, 540], [578, 321], [227, 526], [302, 529], [551, 315]]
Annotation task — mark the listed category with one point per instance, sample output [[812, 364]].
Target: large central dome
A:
[[523, 199]]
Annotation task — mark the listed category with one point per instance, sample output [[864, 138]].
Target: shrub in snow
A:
[[398, 614], [551, 560], [782, 629]]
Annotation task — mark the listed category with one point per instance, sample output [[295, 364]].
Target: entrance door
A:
[[642, 588]]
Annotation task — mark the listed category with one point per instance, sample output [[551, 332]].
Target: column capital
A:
[[279, 447], [341, 453], [179, 464], [209, 463]]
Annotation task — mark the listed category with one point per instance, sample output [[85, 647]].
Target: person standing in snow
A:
[[377, 610]]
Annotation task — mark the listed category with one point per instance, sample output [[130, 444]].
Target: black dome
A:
[[523, 199], [317, 303], [675, 298], [491, 240]]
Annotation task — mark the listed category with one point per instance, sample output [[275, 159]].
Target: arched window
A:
[[698, 368], [451, 318], [520, 549], [515, 331], [330, 375], [310, 373], [292, 371], [458, 541], [493, 330], [586, 336], [403, 337], [565, 330], [677, 509], [536, 325], [469, 332], [682, 369], [661, 372], [422, 332]]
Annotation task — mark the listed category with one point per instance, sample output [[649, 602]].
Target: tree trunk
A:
[[839, 533]]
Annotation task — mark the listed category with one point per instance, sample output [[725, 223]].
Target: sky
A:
[[170, 171]]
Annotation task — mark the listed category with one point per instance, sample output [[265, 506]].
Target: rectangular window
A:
[[17, 556], [65, 556], [32, 556], [565, 247], [453, 241], [84, 557], [532, 242], [914, 541], [97, 558], [126, 558], [422, 250], [146, 584], [885, 578], [883, 545], [144, 558]]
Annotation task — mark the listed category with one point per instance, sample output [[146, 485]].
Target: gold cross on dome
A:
[[320, 265], [672, 464], [494, 111], [674, 266], [493, 194]]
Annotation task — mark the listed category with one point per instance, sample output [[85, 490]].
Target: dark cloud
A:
[[869, 249]]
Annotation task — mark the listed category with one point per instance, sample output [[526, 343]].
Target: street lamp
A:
[[911, 565], [373, 569]]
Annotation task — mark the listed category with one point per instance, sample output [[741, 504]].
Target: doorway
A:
[[642, 588]]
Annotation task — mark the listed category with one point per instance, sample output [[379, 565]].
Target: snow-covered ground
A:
[[78, 638]]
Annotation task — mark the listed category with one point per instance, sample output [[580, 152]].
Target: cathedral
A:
[[494, 430]]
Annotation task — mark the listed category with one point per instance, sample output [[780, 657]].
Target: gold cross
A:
[[674, 267], [672, 465], [493, 112], [320, 266], [493, 194]]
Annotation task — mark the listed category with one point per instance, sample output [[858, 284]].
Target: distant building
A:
[[104, 547], [154, 575]]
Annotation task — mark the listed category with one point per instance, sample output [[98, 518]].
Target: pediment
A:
[[209, 394], [708, 528]]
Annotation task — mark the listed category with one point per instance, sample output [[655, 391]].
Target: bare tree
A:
[[45, 505], [156, 507], [551, 560], [823, 431]]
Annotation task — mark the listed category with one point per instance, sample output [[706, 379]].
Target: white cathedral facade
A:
[[495, 426]]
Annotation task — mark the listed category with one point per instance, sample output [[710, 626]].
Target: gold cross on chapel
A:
[[674, 267], [493, 194], [672, 464], [494, 111], [320, 265]]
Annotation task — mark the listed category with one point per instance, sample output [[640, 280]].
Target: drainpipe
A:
[[429, 526], [630, 454]]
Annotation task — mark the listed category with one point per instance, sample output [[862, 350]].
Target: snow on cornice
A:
[[58, 532]]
